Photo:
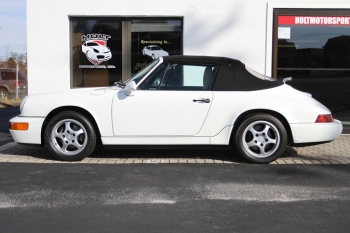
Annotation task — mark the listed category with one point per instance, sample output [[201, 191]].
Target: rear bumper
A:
[[30, 136], [20, 91], [316, 132]]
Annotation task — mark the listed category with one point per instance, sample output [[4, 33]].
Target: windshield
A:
[[91, 44], [259, 75], [139, 75]]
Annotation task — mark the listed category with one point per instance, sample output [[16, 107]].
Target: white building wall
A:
[[232, 28]]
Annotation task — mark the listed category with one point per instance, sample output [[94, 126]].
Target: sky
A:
[[13, 28]]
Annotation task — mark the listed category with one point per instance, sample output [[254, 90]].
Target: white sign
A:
[[283, 32]]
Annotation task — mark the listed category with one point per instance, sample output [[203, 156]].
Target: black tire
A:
[[260, 138], [3, 93], [70, 136]]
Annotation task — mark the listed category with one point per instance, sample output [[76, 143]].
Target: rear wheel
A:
[[261, 138], [70, 136]]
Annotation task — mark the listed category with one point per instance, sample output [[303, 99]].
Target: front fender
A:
[[98, 105]]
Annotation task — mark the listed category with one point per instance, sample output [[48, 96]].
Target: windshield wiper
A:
[[119, 84]]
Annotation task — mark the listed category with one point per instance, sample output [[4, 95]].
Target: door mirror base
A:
[[130, 88]]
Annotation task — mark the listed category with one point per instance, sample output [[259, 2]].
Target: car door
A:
[[173, 101]]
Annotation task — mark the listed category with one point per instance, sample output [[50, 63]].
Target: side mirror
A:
[[130, 88], [287, 79]]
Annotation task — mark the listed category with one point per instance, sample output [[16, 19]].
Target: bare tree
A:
[[21, 58]]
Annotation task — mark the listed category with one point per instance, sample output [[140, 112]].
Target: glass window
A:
[[154, 38], [105, 50], [8, 75], [97, 51], [139, 76], [313, 47], [154, 80], [188, 77]]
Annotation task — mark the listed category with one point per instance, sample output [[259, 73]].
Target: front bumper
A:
[[30, 136], [316, 132]]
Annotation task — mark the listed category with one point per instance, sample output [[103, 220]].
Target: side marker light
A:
[[19, 126]]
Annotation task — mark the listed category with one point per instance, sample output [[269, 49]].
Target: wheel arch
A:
[[75, 109], [5, 87], [278, 115]]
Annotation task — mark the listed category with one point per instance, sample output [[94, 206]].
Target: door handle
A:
[[202, 100]]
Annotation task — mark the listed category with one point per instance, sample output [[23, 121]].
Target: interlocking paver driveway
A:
[[336, 152]]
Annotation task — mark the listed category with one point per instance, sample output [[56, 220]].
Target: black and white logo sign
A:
[[96, 50]]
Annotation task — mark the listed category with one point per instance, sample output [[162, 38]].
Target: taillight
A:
[[324, 118], [16, 84]]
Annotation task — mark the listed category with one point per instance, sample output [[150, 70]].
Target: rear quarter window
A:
[[8, 75]]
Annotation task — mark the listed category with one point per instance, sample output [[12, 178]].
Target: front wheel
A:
[[70, 136], [260, 138]]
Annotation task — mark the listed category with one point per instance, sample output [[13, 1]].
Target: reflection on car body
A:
[[179, 100]]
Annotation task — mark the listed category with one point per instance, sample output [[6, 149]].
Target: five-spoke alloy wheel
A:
[[261, 138], [70, 136]]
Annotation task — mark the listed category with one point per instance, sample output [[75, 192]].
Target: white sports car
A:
[[154, 51], [178, 100]]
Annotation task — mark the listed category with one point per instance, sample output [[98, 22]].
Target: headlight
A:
[[23, 102], [96, 51]]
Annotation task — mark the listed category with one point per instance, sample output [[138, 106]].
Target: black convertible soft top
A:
[[232, 74]]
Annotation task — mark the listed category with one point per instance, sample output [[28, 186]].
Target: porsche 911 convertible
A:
[[178, 100]]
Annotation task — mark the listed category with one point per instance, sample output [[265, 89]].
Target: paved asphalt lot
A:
[[174, 198], [5, 115], [208, 190]]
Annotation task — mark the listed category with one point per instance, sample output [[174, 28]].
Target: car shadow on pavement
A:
[[5, 105], [164, 152]]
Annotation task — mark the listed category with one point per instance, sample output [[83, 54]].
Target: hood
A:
[[40, 104], [83, 90]]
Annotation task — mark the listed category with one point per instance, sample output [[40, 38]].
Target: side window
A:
[[154, 80], [188, 77], [8, 75]]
